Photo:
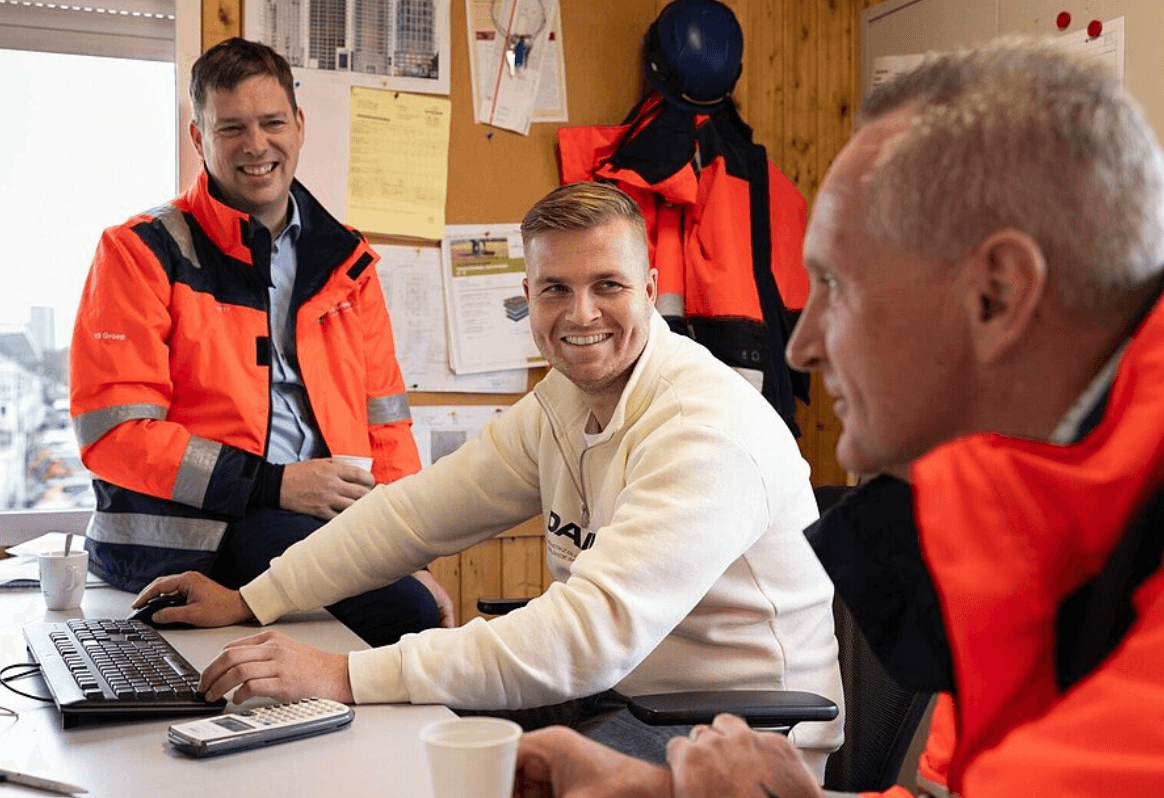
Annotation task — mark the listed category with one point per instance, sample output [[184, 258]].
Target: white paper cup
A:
[[62, 578], [471, 757], [354, 460]]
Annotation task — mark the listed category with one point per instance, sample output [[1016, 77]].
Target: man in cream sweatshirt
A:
[[674, 501]]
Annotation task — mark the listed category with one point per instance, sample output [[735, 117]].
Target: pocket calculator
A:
[[251, 728]]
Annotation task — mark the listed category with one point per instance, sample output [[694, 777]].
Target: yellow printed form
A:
[[399, 170]]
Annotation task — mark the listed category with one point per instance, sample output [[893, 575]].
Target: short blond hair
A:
[[581, 206]]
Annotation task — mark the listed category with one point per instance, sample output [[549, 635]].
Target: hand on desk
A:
[[724, 760], [728, 758], [560, 763], [207, 602], [272, 664], [322, 488]]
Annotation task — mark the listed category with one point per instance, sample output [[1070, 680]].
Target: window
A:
[[89, 138]]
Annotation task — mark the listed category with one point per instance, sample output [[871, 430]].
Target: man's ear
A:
[[1007, 283], [196, 137]]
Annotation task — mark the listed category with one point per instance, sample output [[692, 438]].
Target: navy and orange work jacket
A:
[[170, 373]]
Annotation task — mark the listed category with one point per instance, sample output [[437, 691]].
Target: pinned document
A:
[[398, 176], [489, 328]]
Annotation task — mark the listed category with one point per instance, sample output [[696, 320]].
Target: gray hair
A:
[[1018, 134]]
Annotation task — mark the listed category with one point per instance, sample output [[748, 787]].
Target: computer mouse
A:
[[145, 612]]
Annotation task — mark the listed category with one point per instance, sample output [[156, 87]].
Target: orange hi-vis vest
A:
[[170, 372]]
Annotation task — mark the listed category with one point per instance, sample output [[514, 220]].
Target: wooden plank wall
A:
[[800, 86], [798, 90]]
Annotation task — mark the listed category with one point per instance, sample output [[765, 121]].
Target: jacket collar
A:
[[225, 225]]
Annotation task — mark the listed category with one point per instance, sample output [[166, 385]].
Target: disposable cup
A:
[[354, 460], [471, 756], [62, 578]]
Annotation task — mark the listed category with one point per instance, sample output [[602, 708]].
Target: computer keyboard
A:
[[107, 668]]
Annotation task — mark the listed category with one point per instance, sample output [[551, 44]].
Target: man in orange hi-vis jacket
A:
[[986, 260], [227, 344]]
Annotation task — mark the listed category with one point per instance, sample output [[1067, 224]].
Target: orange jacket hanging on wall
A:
[[705, 190], [170, 371]]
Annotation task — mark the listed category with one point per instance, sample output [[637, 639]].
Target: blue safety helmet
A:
[[693, 54]]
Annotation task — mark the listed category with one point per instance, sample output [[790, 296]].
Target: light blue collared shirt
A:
[[294, 434]]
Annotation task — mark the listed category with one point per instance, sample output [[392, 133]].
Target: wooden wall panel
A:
[[801, 96], [838, 28], [221, 19], [760, 94], [521, 566], [480, 576]]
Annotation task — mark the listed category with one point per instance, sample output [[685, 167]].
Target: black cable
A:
[[31, 669]]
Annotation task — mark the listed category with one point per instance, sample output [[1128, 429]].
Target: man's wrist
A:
[[244, 611], [660, 785]]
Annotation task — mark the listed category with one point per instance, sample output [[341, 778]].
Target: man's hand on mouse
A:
[[207, 602]]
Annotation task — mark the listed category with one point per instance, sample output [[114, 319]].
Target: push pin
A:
[[1063, 20], [1094, 28]]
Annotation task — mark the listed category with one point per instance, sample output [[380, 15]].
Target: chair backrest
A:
[[881, 717]]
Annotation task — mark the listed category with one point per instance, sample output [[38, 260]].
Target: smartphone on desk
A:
[[266, 725]]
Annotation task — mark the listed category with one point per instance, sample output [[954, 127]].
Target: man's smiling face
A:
[[591, 295], [249, 137]]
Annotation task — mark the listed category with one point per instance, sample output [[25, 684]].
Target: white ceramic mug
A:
[[471, 756], [62, 578]]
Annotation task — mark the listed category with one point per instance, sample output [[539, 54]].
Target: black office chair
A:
[[881, 717]]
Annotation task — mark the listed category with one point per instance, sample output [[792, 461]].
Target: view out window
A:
[[86, 142]]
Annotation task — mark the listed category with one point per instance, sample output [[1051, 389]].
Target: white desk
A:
[[379, 754]]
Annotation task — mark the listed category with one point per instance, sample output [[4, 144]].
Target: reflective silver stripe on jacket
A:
[[90, 427], [386, 409], [163, 531], [194, 473], [671, 305], [179, 230], [931, 789]]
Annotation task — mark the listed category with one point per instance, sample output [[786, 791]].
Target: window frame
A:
[[62, 28]]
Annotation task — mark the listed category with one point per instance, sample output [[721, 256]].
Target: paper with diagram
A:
[[483, 268]]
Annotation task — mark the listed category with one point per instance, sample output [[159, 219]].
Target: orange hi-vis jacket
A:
[[170, 373], [1046, 561]]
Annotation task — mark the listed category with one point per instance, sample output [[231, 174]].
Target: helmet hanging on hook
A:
[[693, 54]]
